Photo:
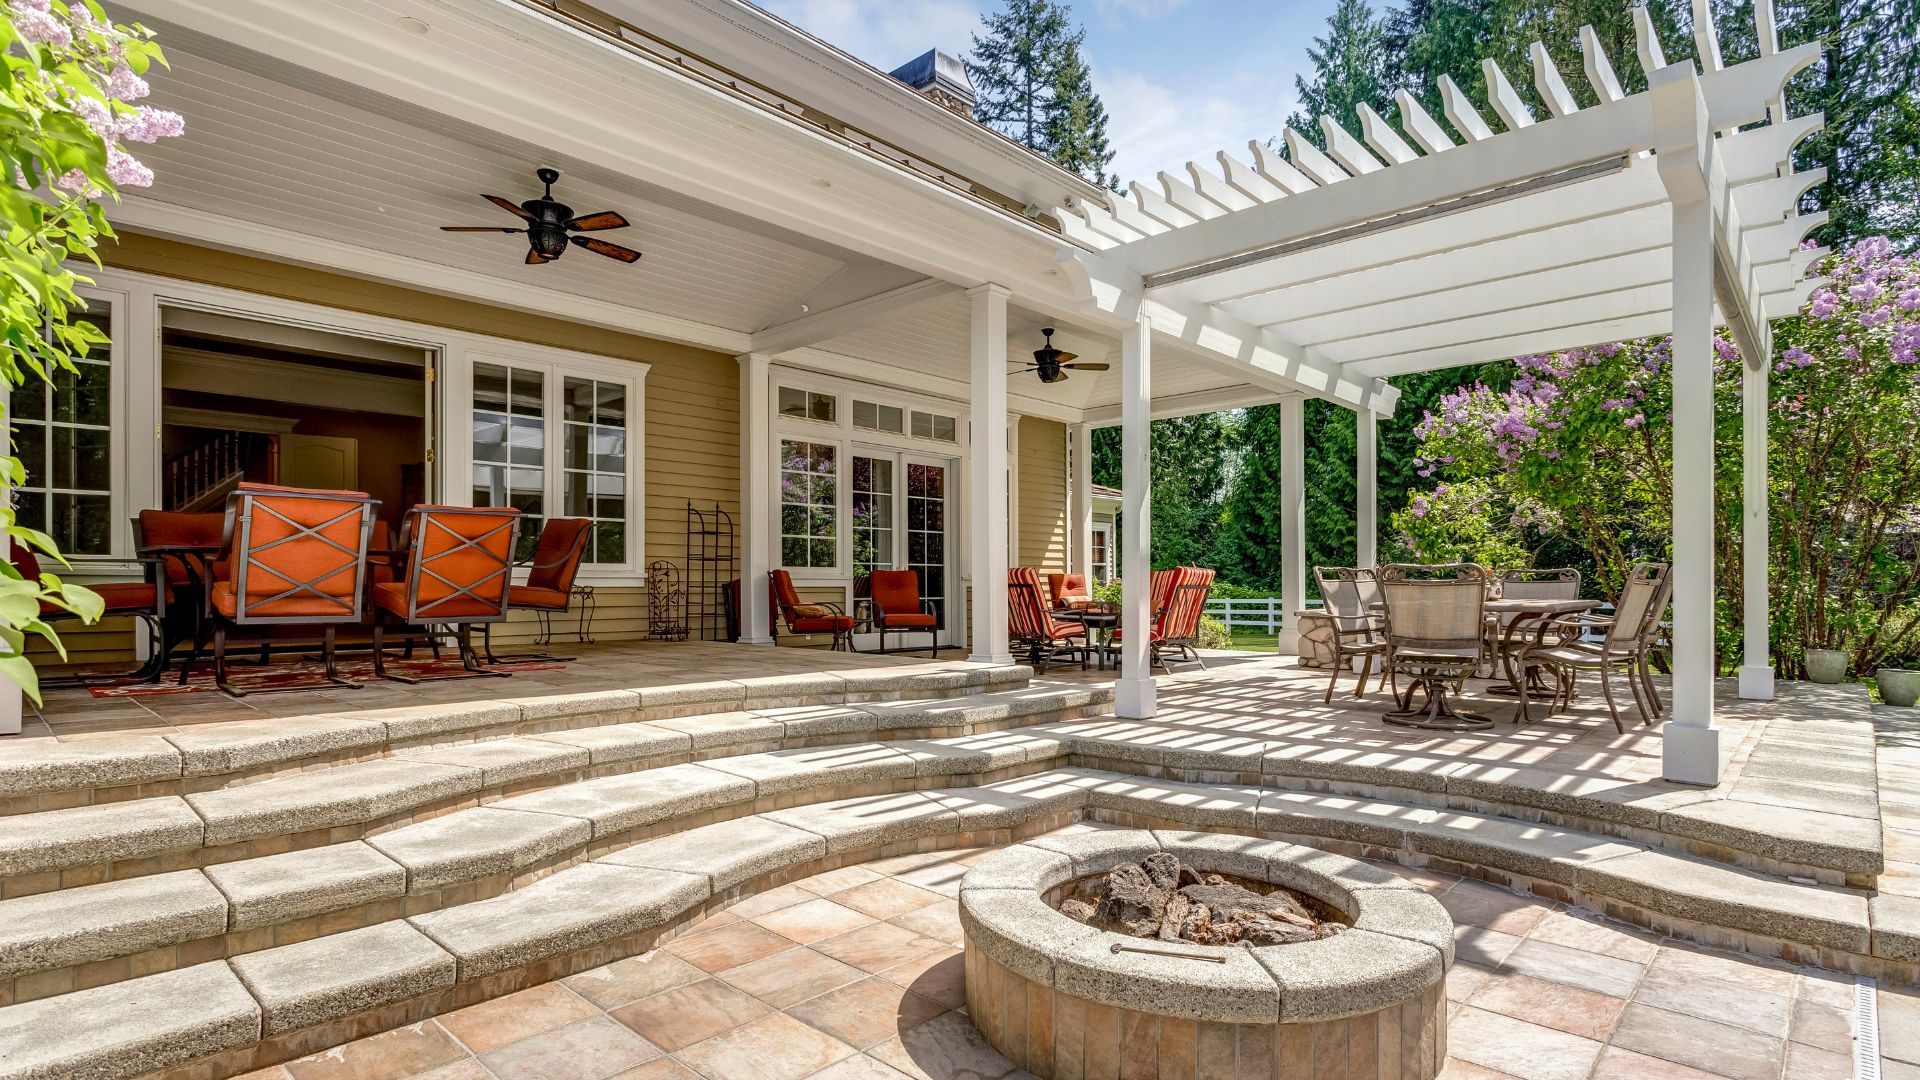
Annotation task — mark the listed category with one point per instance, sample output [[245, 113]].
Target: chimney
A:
[[940, 77]]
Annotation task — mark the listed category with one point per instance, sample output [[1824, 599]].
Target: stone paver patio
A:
[[855, 974]]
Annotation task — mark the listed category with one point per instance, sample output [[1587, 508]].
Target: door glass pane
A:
[[510, 445], [927, 533], [873, 504], [809, 504], [63, 433], [595, 464]]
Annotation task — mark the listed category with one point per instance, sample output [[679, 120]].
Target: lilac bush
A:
[[1576, 446]]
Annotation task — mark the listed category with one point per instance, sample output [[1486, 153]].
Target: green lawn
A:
[[1250, 641]]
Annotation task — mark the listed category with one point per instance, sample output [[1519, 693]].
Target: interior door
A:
[[319, 461]]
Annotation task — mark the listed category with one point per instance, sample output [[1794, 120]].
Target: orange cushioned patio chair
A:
[[184, 544], [290, 556], [1069, 592], [899, 609], [1032, 627], [549, 589], [142, 600], [809, 618], [458, 565]]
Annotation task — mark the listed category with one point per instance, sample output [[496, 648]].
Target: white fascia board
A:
[[1613, 129], [606, 109], [144, 214], [752, 43], [834, 322]]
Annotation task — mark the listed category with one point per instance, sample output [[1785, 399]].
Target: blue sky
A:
[[1180, 78]]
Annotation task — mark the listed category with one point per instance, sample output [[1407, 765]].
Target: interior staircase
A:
[[212, 902]]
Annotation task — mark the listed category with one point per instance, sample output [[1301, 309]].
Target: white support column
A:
[[1756, 666], [1080, 502], [987, 499], [1293, 521], [1691, 749], [1366, 488], [756, 496], [1133, 695]]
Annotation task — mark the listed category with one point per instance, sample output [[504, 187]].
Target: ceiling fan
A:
[[1053, 364], [550, 222]]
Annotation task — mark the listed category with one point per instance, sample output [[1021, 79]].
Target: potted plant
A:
[[1899, 684], [1826, 665]]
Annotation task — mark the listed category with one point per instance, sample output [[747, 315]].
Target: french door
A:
[[900, 521]]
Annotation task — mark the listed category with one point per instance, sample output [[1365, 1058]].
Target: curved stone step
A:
[[45, 774], [46, 849], [624, 902]]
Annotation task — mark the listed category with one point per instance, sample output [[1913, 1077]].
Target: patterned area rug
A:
[[248, 677]]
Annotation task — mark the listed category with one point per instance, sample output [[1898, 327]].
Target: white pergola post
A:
[[756, 496], [1080, 503], [1691, 742], [1293, 521], [987, 501], [1756, 666], [1366, 488], [1133, 696]]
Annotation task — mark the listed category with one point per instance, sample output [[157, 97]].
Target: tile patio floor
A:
[[856, 975]]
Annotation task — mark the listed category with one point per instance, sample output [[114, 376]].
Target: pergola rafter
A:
[[1326, 265]]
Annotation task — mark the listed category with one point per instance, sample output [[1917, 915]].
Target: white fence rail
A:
[[1264, 614]]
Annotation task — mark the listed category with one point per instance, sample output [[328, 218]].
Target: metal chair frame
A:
[[542, 612], [1630, 647], [1042, 651], [240, 519], [842, 640], [879, 622], [1433, 664], [415, 567], [1365, 640]]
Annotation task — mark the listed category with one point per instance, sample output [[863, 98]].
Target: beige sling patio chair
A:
[[1626, 641], [1347, 597], [1436, 637]]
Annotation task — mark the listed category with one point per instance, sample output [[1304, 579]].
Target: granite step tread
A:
[[114, 918], [87, 835], [122, 1029]]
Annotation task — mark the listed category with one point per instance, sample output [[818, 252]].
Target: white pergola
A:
[[1670, 210]]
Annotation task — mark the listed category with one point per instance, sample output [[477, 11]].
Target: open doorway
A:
[[246, 400]]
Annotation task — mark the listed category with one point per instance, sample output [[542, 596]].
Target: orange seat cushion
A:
[[120, 597], [533, 596], [391, 596], [907, 618], [296, 606]]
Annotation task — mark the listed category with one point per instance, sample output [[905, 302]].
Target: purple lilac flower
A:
[[124, 85], [1825, 303], [126, 170], [38, 24], [149, 124]]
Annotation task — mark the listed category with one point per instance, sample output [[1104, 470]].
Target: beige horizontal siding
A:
[[1042, 477]]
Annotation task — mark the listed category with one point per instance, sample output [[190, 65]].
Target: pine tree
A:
[[1014, 68], [1349, 65], [1076, 128]]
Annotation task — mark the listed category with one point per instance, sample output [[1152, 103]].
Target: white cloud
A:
[[1154, 126], [1138, 9], [885, 33]]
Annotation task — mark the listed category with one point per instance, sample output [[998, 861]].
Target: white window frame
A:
[[1101, 529], [847, 438], [450, 394], [120, 438]]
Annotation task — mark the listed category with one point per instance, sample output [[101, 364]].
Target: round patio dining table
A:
[[1099, 624]]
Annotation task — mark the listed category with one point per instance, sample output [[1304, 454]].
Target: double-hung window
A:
[[552, 438], [63, 436]]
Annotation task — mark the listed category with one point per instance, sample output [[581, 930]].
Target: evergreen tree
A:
[[1076, 129], [1034, 85], [1349, 66], [1189, 461], [1250, 534]]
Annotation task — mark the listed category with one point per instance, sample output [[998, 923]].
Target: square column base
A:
[[1133, 699], [1691, 754], [754, 641], [1287, 643], [1756, 683], [984, 658]]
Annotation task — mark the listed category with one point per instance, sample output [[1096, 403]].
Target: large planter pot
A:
[[1898, 687], [1826, 665]]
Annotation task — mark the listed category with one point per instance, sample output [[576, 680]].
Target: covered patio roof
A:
[[1423, 247]]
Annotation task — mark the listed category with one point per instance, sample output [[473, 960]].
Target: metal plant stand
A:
[[712, 562], [666, 602]]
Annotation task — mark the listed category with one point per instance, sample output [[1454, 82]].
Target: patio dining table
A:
[[1539, 613], [1100, 624]]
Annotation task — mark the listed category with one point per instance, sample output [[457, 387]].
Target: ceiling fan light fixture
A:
[[550, 225]]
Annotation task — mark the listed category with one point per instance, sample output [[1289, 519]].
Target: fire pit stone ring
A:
[[1062, 998]]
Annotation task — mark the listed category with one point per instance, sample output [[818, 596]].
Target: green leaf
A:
[[20, 670]]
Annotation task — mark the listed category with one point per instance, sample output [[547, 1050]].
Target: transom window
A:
[[63, 434], [933, 426], [869, 416], [808, 404]]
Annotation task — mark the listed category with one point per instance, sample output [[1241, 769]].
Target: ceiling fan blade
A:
[[479, 228], [1089, 367], [509, 206], [605, 219], [1066, 356], [534, 258], [611, 251]]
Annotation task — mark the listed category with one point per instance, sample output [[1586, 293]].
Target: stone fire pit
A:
[[1059, 1000]]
